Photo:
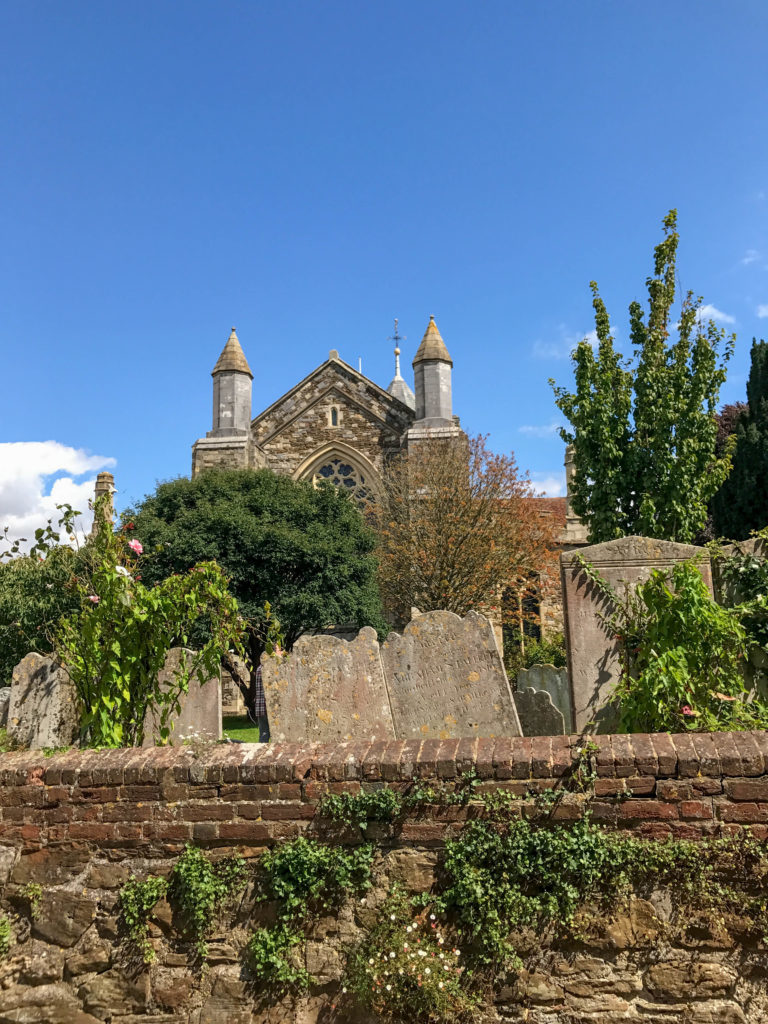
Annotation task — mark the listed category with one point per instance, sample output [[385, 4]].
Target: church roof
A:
[[333, 361], [399, 389], [432, 345], [232, 357]]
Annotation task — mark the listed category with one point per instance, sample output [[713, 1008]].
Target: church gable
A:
[[335, 410]]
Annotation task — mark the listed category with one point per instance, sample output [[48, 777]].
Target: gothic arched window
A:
[[342, 473]]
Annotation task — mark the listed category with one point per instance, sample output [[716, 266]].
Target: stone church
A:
[[338, 425], [335, 424]]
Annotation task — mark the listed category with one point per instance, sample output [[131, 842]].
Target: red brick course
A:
[[156, 800]]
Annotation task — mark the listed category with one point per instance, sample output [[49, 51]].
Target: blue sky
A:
[[308, 171]]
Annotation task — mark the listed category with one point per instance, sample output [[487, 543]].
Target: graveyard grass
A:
[[240, 727]]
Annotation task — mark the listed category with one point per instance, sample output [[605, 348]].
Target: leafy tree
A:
[[456, 525], [37, 590], [645, 432], [306, 551], [741, 504]]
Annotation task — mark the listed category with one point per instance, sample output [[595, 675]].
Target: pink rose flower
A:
[[93, 598], [135, 545], [687, 710]]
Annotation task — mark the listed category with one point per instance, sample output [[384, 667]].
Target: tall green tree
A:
[[741, 504], [308, 552], [644, 430]]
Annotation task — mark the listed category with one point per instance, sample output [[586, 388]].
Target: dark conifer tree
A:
[[741, 504]]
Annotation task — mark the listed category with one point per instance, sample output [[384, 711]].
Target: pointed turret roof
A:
[[232, 357], [432, 345], [398, 388]]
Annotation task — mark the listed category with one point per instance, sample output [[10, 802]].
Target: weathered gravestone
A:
[[446, 679], [328, 689], [232, 702], [593, 655], [200, 714], [555, 682], [538, 715], [43, 708], [5, 698]]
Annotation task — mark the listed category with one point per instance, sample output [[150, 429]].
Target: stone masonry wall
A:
[[369, 420], [80, 823]]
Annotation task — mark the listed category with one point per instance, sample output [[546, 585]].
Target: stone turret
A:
[[228, 444], [232, 379], [432, 366], [103, 503]]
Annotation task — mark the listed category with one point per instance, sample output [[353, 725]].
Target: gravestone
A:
[[593, 655], [43, 709], [327, 690], [232, 702], [555, 682], [200, 714], [5, 697], [538, 715], [446, 679]]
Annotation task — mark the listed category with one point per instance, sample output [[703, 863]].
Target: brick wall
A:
[[79, 823], [684, 785]]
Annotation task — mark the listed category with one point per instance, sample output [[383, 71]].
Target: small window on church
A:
[[334, 417]]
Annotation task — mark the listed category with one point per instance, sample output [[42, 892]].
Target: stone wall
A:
[[80, 823], [370, 420]]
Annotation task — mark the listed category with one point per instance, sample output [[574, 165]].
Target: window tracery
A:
[[344, 474]]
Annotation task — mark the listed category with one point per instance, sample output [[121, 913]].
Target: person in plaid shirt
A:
[[260, 708]]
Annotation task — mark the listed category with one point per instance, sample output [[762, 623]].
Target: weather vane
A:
[[397, 337]]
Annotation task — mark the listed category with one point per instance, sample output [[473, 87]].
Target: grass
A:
[[4, 741], [240, 727]]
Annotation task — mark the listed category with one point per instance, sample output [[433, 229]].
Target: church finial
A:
[[397, 338], [398, 388]]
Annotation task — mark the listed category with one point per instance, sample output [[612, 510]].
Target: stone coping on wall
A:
[[157, 799], [660, 755]]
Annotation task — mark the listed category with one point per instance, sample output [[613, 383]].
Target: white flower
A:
[[391, 956], [431, 917], [122, 571], [427, 970], [446, 967], [400, 971], [391, 917], [409, 929], [455, 952], [344, 990], [389, 988], [439, 984], [441, 955], [363, 900], [370, 961], [422, 952]]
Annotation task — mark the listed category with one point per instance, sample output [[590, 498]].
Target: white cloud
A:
[[750, 256], [762, 311], [553, 486], [710, 312], [28, 495], [561, 348], [550, 430]]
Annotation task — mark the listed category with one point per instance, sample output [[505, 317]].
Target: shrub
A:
[[200, 888]]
